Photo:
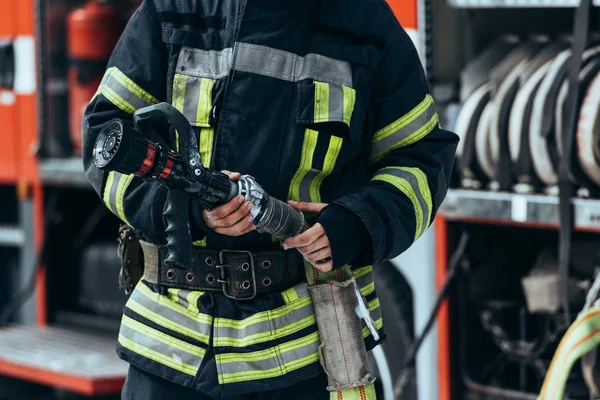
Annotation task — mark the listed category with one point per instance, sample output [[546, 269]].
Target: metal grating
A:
[[517, 209], [515, 3], [64, 172], [62, 351]]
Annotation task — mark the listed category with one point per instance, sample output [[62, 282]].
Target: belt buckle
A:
[[224, 282]]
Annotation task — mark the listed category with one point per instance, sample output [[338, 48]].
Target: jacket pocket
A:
[[327, 107]]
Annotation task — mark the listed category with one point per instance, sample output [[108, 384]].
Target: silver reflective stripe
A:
[[238, 333], [112, 197], [422, 121], [125, 93], [266, 61], [305, 184], [212, 64], [180, 354], [336, 103], [301, 289], [192, 95], [169, 311], [280, 359]]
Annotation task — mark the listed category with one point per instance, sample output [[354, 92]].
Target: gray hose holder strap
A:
[[342, 352]]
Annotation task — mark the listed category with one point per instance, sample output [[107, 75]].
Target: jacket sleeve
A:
[[135, 78], [411, 160]]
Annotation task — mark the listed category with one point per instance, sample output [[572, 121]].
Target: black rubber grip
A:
[[179, 243]]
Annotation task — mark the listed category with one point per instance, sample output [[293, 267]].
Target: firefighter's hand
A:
[[233, 218], [312, 243]]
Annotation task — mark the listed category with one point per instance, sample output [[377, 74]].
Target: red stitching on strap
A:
[[339, 331]]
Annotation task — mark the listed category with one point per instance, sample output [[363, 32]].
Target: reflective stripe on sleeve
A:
[[413, 183], [275, 361], [123, 92], [114, 193], [406, 130]]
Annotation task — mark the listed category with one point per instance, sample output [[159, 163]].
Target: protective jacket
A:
[[319, 100]]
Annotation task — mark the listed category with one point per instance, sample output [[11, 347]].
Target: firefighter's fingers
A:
[[223, 210], [318, 244], [232, 219], [243, 226], [233, 176], [313, 208], [324, 265], [305, 238], [322, 254]]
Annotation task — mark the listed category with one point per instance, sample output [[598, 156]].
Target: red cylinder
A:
[[93, 31]]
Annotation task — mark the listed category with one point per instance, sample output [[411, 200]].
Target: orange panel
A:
[[77, 384], [443, 322], [8, 129], [406, 12]]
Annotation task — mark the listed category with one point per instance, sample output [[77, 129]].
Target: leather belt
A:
[[239, 274]]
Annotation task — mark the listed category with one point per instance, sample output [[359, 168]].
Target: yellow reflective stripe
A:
[[378, 325], [263, 315], [165, 322], [156, 356], [321, 101], [178, 98], [117, 100], [267, 353], [166, 302], [360, 272], [179, 85], [162, 337], [289, 295], [207, 136], [335, 144], [367, 290], [404, 120], [265, 336], [373, 304], [349, 100], [205, 100], [132, 86], [123, 92], [423, 188], [269, 373], [366, 392], [415, 137], [405, 187], [192, 299], [124, 181], [306, 158], [200, 243], [109, 182]]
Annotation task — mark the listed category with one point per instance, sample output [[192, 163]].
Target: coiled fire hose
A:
[[138, 149]]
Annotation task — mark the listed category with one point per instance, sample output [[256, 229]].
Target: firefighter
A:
[[325, 103]]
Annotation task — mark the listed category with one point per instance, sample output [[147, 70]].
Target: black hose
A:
[[453, 273]]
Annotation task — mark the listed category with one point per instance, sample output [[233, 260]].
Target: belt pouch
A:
[[342, 352]]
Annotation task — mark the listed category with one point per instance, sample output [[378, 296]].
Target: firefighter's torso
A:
[[280, 90]]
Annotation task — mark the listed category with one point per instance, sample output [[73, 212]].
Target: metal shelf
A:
[[515, 3], [64, 172], [80, 362], [11, 236], [516, 209]]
